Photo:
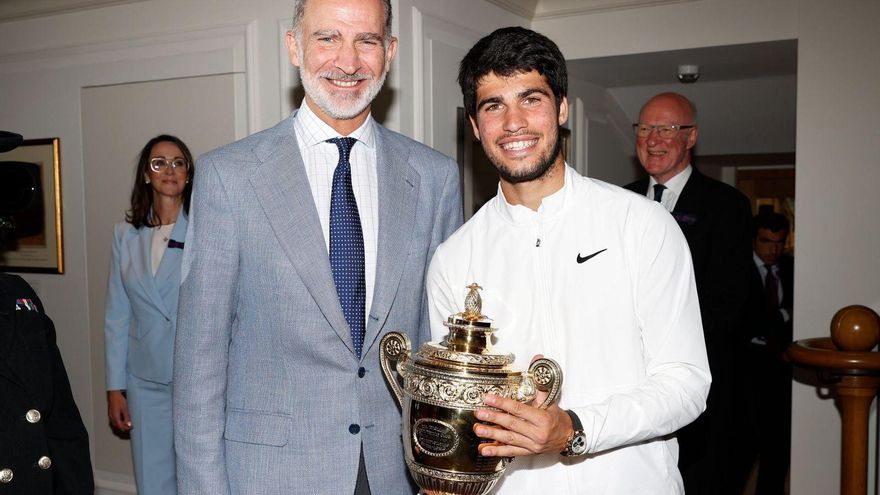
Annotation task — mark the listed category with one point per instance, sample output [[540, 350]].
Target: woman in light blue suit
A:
[[141, 315]]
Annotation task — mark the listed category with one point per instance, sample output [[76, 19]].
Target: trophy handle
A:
[[394, 346], [548, 377]]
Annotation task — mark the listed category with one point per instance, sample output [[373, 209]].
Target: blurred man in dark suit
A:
[[769, 333], [716, 220]]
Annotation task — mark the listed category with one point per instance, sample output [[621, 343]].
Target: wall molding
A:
[[24, 9], [428, 29], [107, 483], [187, 40], [233, 46]]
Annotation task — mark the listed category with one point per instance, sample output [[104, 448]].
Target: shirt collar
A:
[[675, 184], [550, 206], [314, 131]]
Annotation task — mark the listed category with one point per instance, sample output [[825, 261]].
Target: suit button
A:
[[33, 416], [354, 429], [5, 475], [361, 372], [44, 462]]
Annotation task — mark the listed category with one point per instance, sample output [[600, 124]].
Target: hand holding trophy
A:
[[444, 387]]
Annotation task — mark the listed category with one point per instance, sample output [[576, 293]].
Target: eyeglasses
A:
[[664, 131], [159, 164]]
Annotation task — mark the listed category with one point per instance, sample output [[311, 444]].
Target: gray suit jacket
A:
[[269, 396]]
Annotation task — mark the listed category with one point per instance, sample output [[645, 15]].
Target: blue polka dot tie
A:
[[347, 245]]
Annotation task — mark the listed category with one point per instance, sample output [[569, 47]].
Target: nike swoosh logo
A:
[[581, 259]]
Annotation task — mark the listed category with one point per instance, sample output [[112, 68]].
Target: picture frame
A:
[[39, 246]]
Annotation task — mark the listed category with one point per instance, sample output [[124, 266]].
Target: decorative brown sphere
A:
[[855, 328]]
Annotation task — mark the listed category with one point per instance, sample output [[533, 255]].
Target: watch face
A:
[[578, 444]]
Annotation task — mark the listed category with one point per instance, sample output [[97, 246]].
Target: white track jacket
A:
[[599, 279]]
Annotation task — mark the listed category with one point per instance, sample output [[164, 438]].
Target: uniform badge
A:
[[25, 305]]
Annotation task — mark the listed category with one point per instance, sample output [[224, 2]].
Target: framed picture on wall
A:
[[32, 191]]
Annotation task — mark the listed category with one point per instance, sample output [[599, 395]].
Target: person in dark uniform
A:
[[44, 446]]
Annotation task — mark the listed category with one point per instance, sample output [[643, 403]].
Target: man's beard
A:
[[538, 170], [343, 106]]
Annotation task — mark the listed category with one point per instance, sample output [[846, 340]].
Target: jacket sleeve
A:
[[209, 274], [677, 378], [117, 318], [448, 218], [67, 436]]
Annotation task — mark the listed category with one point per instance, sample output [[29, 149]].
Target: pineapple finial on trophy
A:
[[473, 304]]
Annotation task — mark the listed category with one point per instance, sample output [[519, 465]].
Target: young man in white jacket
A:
[[594, 276]]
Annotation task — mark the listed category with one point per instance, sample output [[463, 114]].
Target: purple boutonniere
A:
[[685, 218]]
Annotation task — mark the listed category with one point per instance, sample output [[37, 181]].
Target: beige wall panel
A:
[[117, 121]]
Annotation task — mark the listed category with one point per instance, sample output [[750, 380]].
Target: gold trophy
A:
[[443, 385]]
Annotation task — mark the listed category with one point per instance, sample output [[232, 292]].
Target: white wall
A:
[[838, 171], [602, 145], [116, 122]]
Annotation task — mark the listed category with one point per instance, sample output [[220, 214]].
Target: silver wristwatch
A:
[[577, 444]]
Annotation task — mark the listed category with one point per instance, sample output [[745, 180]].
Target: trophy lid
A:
[[469, 341]]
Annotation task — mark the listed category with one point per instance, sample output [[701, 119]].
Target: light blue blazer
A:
[[141, 311], [270, 397]]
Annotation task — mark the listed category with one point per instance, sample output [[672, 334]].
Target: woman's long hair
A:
[[141, 212]]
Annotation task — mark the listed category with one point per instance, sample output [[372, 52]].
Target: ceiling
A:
[[718, 63], [746, 95]]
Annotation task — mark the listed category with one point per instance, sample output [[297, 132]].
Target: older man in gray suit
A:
[[307, 242]]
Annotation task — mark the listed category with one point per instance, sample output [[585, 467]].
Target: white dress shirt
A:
[[674, 186], [320, 159], [161, 234]]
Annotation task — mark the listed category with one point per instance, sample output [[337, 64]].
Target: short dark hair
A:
[[507, 52], [141, 212], [299, 9], [772, 221]]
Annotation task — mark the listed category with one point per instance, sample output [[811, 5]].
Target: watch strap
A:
[[577, 443], [575, 420]]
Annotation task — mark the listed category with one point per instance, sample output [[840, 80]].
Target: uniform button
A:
[[354, 429], [361, 372], [5, 475], [33, 416], [44, 462]]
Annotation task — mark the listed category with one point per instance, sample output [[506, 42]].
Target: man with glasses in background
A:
[[716, 221]]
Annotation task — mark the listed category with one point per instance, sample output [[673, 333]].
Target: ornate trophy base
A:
[[441, 482]]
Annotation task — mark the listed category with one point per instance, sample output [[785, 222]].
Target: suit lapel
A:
[[638, 187], [141, 247], [398, 196], [282, 187], [689, 200]]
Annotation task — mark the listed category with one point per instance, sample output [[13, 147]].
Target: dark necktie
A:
[[658, 192], [347, 245], [771, 290]]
